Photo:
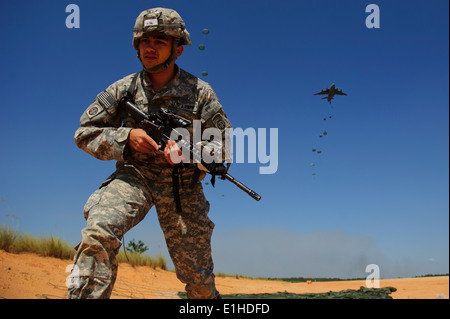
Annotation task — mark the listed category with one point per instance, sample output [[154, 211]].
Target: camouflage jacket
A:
[[104, 129]]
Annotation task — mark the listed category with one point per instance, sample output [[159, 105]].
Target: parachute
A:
[[202, 47]]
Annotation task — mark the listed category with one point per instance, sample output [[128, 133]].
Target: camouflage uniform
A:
[[142, 180]]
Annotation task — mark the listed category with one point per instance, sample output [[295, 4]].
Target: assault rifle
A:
[[160, 125]]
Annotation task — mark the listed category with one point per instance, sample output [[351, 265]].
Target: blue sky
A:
[[380, 190]]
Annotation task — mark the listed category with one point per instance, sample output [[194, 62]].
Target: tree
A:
[[138, 247]]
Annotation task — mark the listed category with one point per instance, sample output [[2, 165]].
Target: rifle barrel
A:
[[250, 192]]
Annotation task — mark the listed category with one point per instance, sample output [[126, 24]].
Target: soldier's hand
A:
[[141, 142], [173, 153]]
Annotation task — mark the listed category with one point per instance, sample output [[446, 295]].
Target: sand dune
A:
[[28, 276]]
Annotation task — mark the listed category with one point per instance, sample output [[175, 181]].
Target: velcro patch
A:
[[106, 99], [219, 121], [94, 110], [150, 22]]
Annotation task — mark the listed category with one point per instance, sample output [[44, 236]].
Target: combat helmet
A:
[[160, 20]]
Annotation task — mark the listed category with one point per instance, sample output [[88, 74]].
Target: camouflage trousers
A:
[[122, 202]]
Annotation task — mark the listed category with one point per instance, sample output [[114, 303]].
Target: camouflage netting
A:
[[362, 293]]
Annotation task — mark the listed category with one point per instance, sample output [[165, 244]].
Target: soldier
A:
[[144, 176]]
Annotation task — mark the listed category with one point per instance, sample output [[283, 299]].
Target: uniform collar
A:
[[171, 89]]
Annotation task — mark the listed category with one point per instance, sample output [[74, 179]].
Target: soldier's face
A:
[[155, 50]]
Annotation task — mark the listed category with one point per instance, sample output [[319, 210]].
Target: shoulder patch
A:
[[94, 110], [219, 121]]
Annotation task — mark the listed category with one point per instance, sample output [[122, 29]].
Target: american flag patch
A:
[[106, 99]]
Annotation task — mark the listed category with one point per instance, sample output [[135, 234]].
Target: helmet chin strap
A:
[[165, 64]]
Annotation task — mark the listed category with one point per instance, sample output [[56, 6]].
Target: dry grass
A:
[[14, 242]]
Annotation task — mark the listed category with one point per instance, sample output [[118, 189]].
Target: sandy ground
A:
[[28, 276]]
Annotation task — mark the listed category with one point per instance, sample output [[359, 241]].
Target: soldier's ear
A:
[[179, 50]]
